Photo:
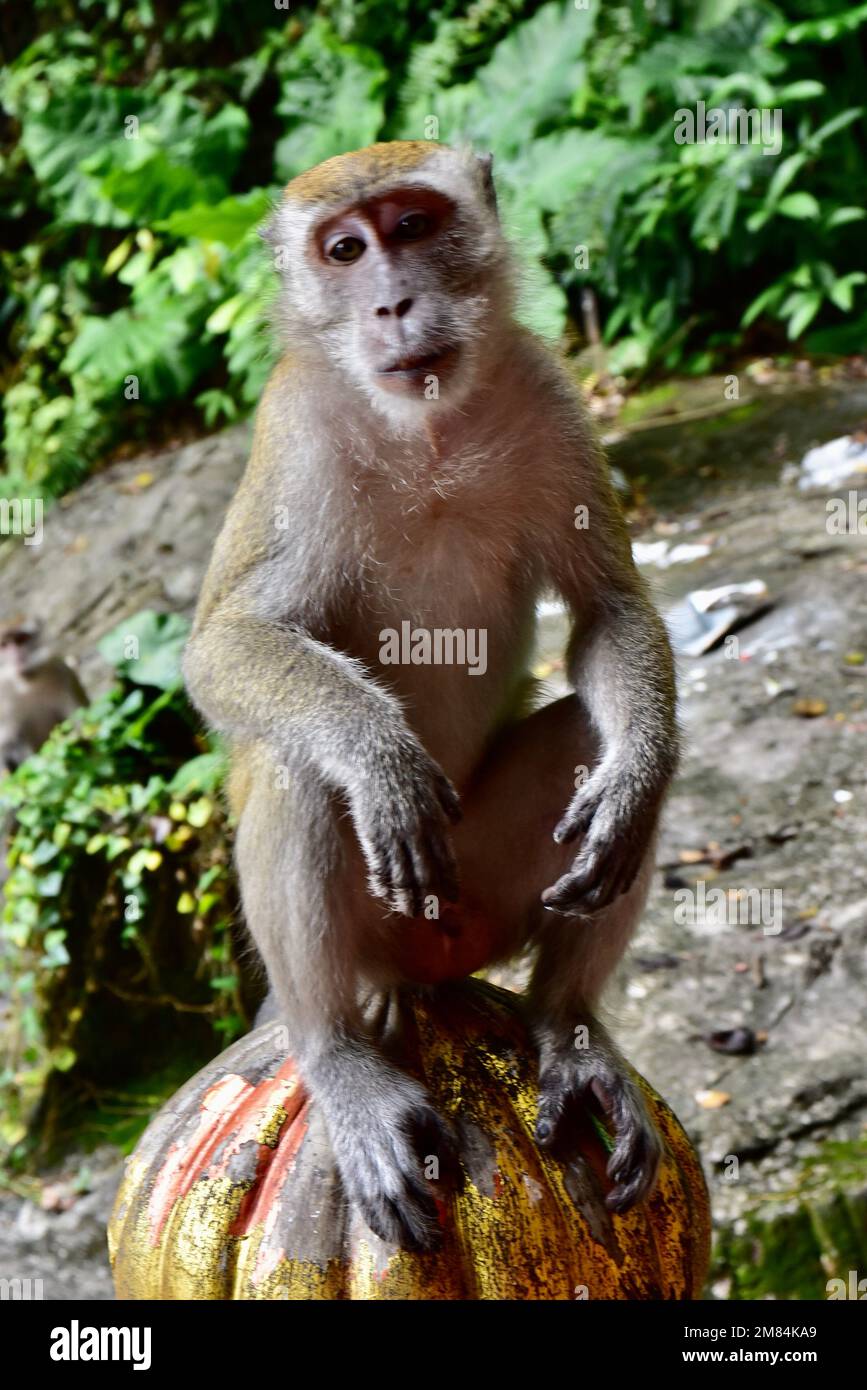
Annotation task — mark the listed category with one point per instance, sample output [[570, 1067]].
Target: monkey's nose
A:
[[401, 308]]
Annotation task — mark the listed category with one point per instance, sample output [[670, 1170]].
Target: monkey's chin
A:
[[408, 393]]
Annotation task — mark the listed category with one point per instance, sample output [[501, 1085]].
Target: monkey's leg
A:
[[578, 1060], [507, 853], [310, 914]]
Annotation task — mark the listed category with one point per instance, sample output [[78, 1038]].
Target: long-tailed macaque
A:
[[37, 691], [422, 470]]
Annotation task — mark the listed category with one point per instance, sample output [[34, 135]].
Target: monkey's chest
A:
[[457, 559], [448, 626]]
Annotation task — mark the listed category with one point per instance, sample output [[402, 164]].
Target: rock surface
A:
[[58, 1242], [138, 535]]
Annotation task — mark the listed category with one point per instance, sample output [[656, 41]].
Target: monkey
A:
[[37, 691], [421, 457]]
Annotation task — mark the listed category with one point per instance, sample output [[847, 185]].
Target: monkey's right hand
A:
[[401, 807]]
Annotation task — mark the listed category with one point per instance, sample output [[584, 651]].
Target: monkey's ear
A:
[[268, 230], [486, 167]]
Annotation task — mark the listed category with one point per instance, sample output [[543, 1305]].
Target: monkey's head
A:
[[19, 643], [394, 263]]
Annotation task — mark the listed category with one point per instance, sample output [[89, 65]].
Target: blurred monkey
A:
[[37, 691]]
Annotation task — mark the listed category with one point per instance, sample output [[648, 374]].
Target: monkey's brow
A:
[[406, 194]]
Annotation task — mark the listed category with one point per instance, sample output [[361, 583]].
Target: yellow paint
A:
[[523, 1237]]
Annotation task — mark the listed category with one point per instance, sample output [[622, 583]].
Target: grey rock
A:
[[115, 546]]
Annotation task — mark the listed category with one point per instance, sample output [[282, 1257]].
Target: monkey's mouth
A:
[[413, 367]]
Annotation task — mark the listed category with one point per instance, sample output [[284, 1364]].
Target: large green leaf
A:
[[146, 648], [155, 341], [227, 221], [332, 100], [527, 86], [107, 155], [73, 128], [152, 190], [454, 109]]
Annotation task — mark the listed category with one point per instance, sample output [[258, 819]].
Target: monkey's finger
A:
[[604, 892], [571, 892], [446, 874], [628, 874], [449, 800], [616, 881], [429, 870], [378, 875], [634, 1162], [548, 1114], [407, 1221], [575, 821], [403, 893]]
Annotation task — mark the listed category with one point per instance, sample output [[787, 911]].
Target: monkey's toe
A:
[[392, 1172], [408, 1221], [633, 1164]]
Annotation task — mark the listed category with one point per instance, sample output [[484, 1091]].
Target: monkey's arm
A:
[[260, 679], [621, 665]]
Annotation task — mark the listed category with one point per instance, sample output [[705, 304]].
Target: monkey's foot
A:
[[392, 1149], [565, 1085]]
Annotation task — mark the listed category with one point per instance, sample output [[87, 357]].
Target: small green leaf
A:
[[799, 205], [809, 306], [63, 1058], [49, 885], [841, 216], [200, 812]]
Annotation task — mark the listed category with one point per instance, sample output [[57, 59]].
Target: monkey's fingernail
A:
[[543, 1130]]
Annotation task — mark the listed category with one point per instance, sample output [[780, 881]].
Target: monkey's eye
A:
[[347, 249], [413, 226]]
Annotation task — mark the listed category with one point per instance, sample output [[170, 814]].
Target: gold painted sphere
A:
[[232, 1192]]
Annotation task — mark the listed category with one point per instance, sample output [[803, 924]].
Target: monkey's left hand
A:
[[616, 816]]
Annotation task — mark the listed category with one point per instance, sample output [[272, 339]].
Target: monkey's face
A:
[[18, 643], [402, 289]]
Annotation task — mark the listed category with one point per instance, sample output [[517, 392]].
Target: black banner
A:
[[192, 1338]]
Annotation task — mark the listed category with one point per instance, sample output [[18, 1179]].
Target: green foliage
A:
[[146, 146], [332, 99], [120, 895]]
